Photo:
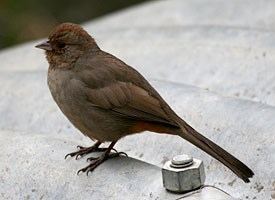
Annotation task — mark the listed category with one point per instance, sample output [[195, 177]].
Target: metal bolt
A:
[[181, 161], [182, 174]]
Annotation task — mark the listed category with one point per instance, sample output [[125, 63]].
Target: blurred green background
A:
[[23, 20]]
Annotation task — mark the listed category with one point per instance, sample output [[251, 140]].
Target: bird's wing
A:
[[128, 100], [112, 84]]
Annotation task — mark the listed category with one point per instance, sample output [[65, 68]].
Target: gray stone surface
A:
[[213, 61], [237, 14], [35, 168]]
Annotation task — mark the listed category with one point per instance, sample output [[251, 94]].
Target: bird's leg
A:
[[86, 150], [96, 161]]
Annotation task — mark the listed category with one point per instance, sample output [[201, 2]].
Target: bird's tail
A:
[[239, 168]]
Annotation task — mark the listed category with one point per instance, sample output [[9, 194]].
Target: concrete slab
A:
[[33, 167]]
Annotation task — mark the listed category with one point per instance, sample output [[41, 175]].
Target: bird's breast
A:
[[69, 98]]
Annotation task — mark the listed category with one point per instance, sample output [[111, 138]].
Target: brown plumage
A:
[[106, 99]]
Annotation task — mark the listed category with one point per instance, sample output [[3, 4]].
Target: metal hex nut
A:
[[184, 179]]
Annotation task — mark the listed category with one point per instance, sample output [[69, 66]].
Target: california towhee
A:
[[106, 99]]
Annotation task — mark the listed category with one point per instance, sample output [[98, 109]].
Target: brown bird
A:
[[106, 99]]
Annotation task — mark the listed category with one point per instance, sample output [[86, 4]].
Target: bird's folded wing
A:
[[128, 100]]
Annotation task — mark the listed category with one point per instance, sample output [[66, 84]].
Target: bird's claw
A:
[[85, 150], [96, 161], [80, 147], [91, 159]]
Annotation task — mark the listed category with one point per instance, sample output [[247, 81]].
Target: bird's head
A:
[[66, 43]]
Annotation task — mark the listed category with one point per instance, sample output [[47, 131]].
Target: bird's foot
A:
[[111, 155], [96, 161], [86, 150]]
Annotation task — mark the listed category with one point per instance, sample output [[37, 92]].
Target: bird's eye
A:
[[61, 45]]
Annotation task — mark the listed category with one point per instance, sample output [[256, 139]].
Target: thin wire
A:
[[189, 194], [200, 189], [216, 188]]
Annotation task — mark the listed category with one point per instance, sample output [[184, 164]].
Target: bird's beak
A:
[[45, 46]]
